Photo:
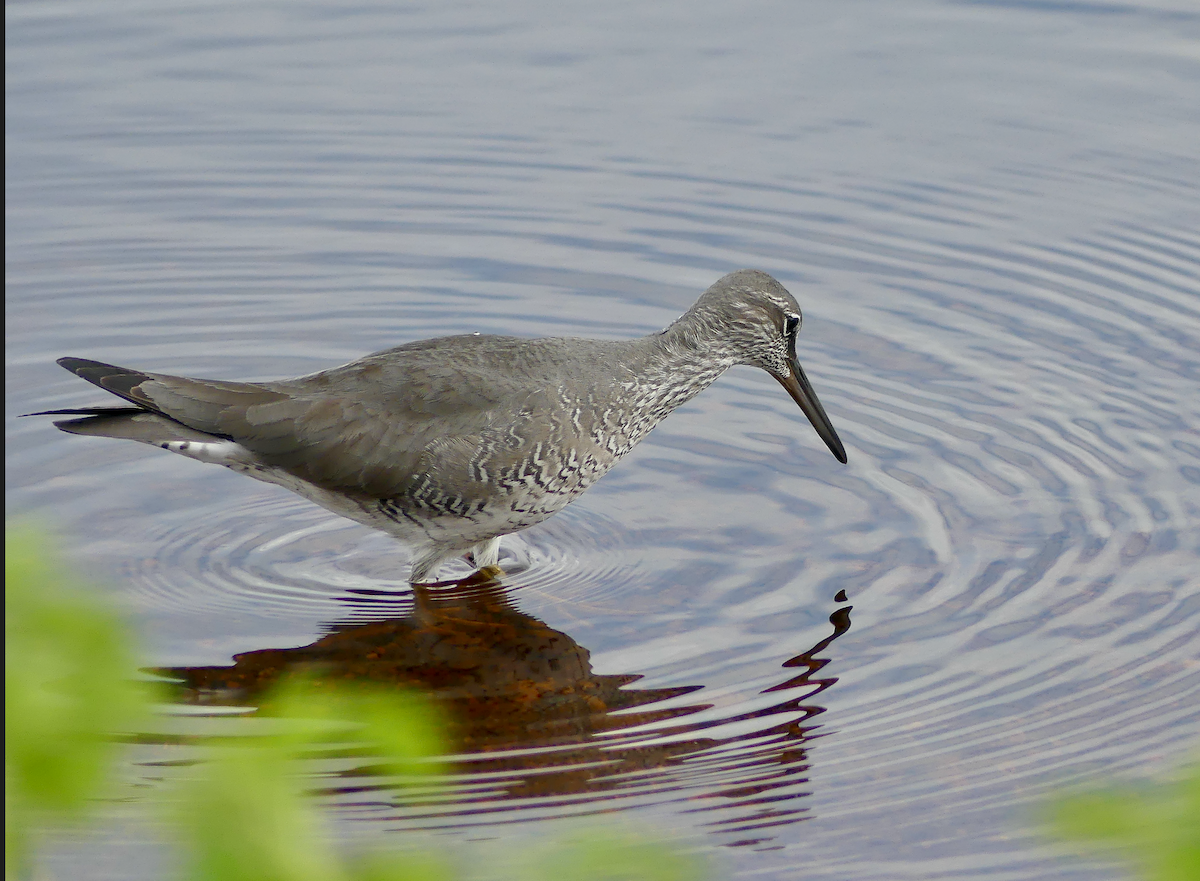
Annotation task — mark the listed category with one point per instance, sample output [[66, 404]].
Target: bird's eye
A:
[[791, 324]]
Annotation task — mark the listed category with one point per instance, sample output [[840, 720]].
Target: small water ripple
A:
[[1016, 528], [537, 732]]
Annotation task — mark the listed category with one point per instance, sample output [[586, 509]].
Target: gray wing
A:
[[375, 426]]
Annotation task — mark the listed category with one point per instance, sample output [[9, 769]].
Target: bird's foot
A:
[[483, 575]]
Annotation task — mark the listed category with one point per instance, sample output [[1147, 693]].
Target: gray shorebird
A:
[[450, 443]]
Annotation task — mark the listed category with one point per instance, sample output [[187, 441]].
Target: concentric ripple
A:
[[1016, 530], [277, 555], [1001, 295], [539, 734]]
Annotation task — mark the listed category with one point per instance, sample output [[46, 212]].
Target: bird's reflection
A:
[[535, 729]]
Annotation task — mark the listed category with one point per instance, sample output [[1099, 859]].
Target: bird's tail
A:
[[126, 423]]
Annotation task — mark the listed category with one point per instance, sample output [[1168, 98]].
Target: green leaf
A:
[[609, 855], [1155, 827], [68, 690], [244, 818], [404, 866], [401, 728]]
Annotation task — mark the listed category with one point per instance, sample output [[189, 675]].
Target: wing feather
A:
[[371, 427]]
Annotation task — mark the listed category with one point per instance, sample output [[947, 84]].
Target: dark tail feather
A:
[[121, 381], [88, 411], [128, 423], [201, 403]]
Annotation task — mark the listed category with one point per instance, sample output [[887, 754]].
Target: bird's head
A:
[[757, 322]]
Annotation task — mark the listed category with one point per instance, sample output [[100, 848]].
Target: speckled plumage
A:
[[450, 443]]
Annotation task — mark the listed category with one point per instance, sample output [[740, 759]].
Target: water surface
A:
[[988, 212]]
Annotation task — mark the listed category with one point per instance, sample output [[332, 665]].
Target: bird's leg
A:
[[425, 566], [485, 556]]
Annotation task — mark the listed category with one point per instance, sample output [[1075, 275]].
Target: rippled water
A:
[[989, 214]]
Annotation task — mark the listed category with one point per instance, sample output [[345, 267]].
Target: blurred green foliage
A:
[[68, 665], [242, 814], [609, 855], [1155, 827], [402, 728], [243, 818]]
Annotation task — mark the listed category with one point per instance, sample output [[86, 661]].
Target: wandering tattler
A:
[[450, 443]]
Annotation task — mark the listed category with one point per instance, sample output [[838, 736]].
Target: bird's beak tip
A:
[[802, 393]]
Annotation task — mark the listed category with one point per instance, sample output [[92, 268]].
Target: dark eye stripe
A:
[[791, 325]]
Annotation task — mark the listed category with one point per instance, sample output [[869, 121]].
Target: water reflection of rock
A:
[[533, 722]]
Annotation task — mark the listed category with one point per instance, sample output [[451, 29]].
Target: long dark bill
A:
[[802, 393]]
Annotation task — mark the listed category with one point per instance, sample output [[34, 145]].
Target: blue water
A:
[[989, 214]]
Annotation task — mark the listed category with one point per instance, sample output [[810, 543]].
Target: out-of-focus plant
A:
[[1155, 827], [403, 729], [243, 817], [68, 687], [606, 855], [242, 813]]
